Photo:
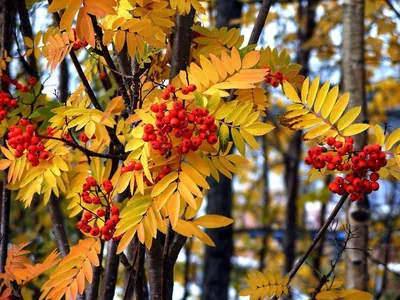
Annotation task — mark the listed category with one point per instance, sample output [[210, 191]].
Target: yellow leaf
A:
[[339, 107], [187, 195], [213, 221], [329, 102], [290, 92], [321, 96], [379, 134], [249, 138], [237, 63], [312, 92], [238, 141], [251, 59], [164, 183], [316, 132], [355, 129], [192, 186], [259, 128], [304, 90], [173, 208], [115, 106], [196, 176], [4, 164], [393, 138], [349, 117]]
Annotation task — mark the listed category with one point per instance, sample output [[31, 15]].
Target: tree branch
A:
[[58, 225], [314, 243], [260, 21], [118, 78]]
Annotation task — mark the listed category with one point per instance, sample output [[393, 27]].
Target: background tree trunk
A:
[[217, 260], [293, 156], [353, 70]]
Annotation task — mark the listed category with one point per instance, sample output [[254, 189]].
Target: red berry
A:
[[374, 177], [95, 231], [212, 139], [44, 155], [30, 128], [102, 75], [23, 122], [165, 95], [185, 91], [154, 108], [83, 137], [88, 215], [171, 88], [192, 87], [114, 210], [100, 212], [338, 144], [375, 186]]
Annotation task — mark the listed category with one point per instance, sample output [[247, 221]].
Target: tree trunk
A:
[[293, 156], [7, 17], [217, 260], [354, 82]]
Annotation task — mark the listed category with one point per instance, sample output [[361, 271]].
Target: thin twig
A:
[[314, 243]]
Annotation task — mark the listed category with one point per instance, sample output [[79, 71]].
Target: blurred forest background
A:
[[277, 211]]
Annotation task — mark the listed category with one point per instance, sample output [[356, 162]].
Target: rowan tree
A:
[[161, 102]]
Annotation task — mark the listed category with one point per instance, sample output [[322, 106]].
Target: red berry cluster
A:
[[171, 90], [192, 128], [93, 193], [362, 166], [6, 105], [23, 88], [274, 79], [23, 137], [77, 43], [84, 138], [131, 166]]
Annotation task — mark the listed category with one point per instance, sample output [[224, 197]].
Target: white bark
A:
[[354, 82]]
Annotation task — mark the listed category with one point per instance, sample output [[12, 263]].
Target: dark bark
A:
[[139, 287], [182, 40], [58, 228], [260, 21], [293, 156], [217, 263], [92, 292], [217, 260], [63, 85], [154, 263], [229, 13], [111, 272], [353, 71], [7, 17], [4, 224], [266, 203], [26, 29]]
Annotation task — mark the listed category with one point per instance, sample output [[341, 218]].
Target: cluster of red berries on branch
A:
[[23, 88], [106, 213], [191, 128], [274, 79], [23, 137], [77, 43], [7, 104], [171, 89], [361, 166]]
